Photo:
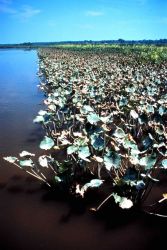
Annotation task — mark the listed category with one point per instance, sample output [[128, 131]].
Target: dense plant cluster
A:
[[151, 53], [107, 113]]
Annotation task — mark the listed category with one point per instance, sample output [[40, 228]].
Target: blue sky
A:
[[62, 20]]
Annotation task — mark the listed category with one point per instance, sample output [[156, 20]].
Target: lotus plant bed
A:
[[105, 123]]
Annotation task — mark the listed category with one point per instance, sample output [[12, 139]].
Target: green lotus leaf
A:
[[62, 166], [117, 198], [43, 161], [123, 101], [26, 154], [52, 107], [92, 94], [81, 141], [10, 159], [57, 179], [106, 119], [162, 110], [84, 152], [46, 143], [72, 149], [140, 185], [75, 99], [164, 163], [112, 159], [39, 119], [95, 183], [79, 118], [130, 174], [42, 112], [129, 143], [142, 102], [26, 163], [64, 110], [134, 114], [93, 129], [147, 142], [137, 152], [134, 157], [143, 118], [130, 89], [148, 161], [123, 202], [97, 142], [86, 109], [159, 130], [150, 108], [93, 118], [162, 144], [47, 117], [56, 94], [119, 133]]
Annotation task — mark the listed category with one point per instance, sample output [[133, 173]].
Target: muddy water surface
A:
[[31, 217]]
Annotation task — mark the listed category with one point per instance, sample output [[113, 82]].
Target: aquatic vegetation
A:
[[106, 111]]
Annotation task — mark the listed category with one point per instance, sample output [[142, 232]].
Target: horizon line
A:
[[89, 40]]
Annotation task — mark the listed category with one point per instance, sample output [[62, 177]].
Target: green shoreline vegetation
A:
[[160, 42], [106, 113]]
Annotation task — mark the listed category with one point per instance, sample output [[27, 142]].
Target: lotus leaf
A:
[[164, 163], [97, 142], [147, 142], [42, 112], [94, 183], [39, 119], [150, 108], [87, 109], [123, 101], [129, 143], [143, 118], [162, 110], [43, 161], [72, 149], [46, 143], [106, 119], [119, 133], [84, 152], [26, 163], [26, 154], [123, 202], [93, 118], [10, 159], [159, 130], [134, 114], [112, 159], [148, 161], [57, 179], [131, 174], [140, 185]]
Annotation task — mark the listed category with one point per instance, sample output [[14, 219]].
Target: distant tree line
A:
[[29, 45]]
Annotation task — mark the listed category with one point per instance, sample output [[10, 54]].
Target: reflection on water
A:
[[20, 101]]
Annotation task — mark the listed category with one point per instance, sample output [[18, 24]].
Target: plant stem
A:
[[103, 202], [52, 168]]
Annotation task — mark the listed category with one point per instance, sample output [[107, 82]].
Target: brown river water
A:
[[32, 217]]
